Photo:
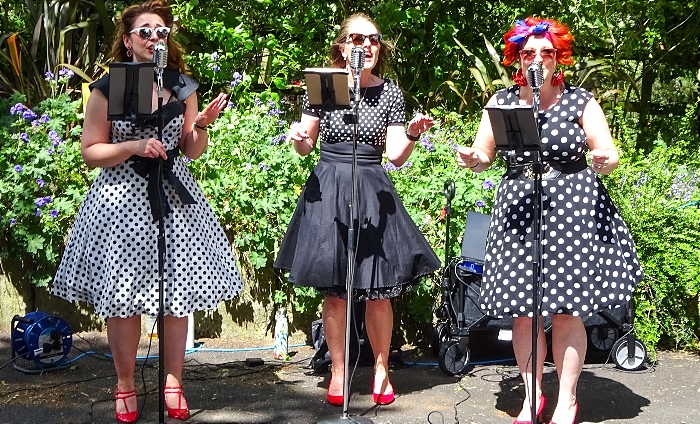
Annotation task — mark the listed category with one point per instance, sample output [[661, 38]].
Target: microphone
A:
[[160, 55], [357, 63], [534, 75], [160, 58], [357, 59]]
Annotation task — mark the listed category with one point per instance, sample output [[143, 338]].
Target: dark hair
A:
[[557, 33], [336, 52], [126, 23]]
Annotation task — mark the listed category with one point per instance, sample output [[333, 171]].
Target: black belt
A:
[[148, 168], [550, 170]]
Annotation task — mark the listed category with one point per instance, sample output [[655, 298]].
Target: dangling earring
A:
[[128, 52], [558, 77], [519, 78]]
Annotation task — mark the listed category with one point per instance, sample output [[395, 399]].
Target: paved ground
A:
[[222, 388]]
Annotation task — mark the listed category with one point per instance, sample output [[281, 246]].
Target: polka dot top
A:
[[381, 106]]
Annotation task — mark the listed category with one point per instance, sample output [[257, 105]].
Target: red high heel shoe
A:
[[575, 413], [334, 400], [128, 416], [383, 399], [540, 409], [178, 413]]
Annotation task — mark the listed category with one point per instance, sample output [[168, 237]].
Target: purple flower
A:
[[271, 103], [42, 201], [390, 167], [24, 137], [187, 160], [17, 109], [40, 182], [35, 123], [53, 213], [18, 168], [455, 146], [50, 151], [231, 105], [263, 167], [480, 203], [487, 185], [215, 68], [28, 114], [44, 118], [215, 56], [257, 102], [280, 122], [274, 111], [48, 75], [283, 138], [38, 212], [65, 72], [13, 221], [427, 144], [275, 140], [237, 79]]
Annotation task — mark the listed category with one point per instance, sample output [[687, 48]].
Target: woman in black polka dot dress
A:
[[111, 257], [589, 261], [391, 252]]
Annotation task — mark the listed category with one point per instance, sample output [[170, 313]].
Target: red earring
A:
[[558, 78], [519, 78]]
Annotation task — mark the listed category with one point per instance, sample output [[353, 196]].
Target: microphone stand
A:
[[537, 167], [161, 259], [350, 277]]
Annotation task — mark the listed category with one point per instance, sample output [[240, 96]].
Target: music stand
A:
[[515, 132], [327, 89], [128, 84], [126, 81]]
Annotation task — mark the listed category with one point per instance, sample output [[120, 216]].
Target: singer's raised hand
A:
[[212, 110], [468, 157], [419, 124]]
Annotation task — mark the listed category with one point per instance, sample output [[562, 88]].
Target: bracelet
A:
[[478, 162], [412, 137], [206, 127]]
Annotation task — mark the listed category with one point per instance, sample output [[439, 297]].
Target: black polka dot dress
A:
[[589, 261], [111, 257], [391, 251]]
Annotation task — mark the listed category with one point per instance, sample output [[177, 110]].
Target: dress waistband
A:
[[342, 152], [148, 168], [550, 171]]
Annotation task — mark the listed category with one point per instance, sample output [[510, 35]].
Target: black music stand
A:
[[130, 99], [515, 131], [126, 81], [327, 89]]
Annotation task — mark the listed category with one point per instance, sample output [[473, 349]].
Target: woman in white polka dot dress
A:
[[391, 252], [111, 257], [588, 256]]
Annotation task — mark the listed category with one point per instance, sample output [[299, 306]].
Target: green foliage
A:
[[653, 193], [42, 180]]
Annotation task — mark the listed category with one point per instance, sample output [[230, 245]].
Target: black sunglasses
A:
[[359, 39], [145, 32]]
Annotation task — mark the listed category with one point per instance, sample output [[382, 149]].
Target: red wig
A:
[[553, 30]]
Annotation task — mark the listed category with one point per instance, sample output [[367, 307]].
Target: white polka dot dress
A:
[[391, 252], [589, 261], [111, 257]]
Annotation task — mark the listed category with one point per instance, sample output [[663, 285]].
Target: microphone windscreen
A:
[[160, 54], [534, 75], [357, 59]]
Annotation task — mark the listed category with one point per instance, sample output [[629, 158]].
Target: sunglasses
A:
[[545, 53], [146, 32], [359, 39]]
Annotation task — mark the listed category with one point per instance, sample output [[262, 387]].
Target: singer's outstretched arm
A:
[[303, 134]]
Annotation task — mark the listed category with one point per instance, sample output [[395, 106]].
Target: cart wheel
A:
[[451, 360], [622, 359], [440, 337], [603, 337]]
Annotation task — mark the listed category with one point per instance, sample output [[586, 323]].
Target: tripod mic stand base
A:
[[354, 419]]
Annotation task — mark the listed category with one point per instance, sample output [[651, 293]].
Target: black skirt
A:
[[391, 251]]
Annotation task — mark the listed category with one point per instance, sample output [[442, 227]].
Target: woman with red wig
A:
[[589, 262]]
